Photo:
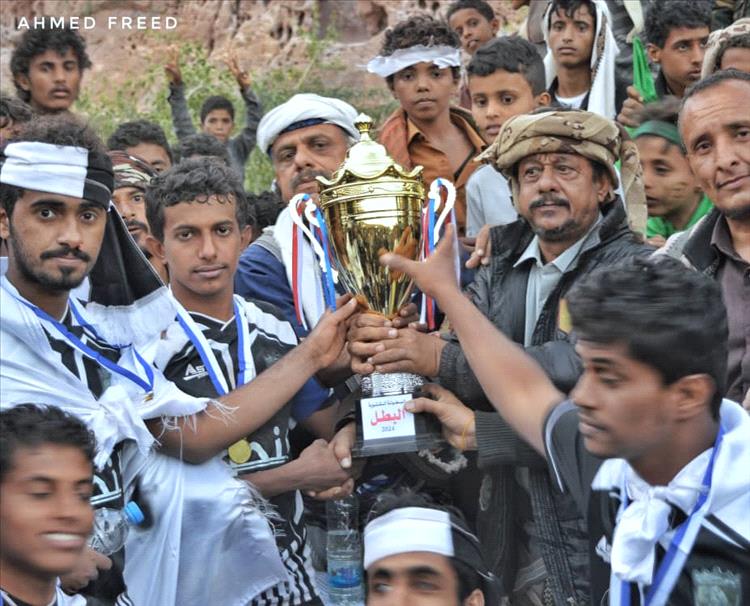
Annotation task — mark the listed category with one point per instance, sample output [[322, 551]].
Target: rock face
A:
[[266, 34]]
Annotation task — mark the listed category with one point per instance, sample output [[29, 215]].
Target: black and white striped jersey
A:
[[268, 447]]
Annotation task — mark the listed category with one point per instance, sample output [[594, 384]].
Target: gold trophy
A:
[[370, 206]]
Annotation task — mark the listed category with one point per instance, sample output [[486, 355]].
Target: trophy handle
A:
[[449, 202], [293, 207], [310, 209]]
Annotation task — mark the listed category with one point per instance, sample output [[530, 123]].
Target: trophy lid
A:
[[367, 160]]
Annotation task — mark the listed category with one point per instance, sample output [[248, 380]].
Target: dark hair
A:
[[662, 16], [669, 317], [267, 206], [38, 40], [216, 102], [13, 110], [512, 54], [468, 578], [569, 7], [420, 29], [741, 41], [203, 144], [480, 6], [193, 180], [61, 129], [130, 134], [32, 425]]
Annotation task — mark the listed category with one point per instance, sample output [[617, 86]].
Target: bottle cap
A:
[[133, 513]]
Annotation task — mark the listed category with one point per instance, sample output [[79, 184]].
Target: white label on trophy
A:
[[386, 417]]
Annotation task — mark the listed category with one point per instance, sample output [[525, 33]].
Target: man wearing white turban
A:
[[305, 137]]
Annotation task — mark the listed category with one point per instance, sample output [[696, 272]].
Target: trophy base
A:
[[383, 425]]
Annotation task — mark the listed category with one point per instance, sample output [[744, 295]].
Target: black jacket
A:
[[499, 291]]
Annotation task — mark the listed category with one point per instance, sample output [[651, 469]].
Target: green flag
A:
[[642, 78]]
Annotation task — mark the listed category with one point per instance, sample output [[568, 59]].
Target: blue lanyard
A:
[[207, 355], [674, 560], [147, 385]]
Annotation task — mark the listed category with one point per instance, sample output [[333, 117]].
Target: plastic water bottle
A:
[[111, 527], [344, 552]]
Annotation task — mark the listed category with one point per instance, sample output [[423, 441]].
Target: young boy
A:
[[675, 200], [197, 213], [676, 34], [655, 459], [417, 552], [47, 67], [217, 114], [475, 23], [420, 61], [143, 139], [580, 60], [46, 472], [506, 78]]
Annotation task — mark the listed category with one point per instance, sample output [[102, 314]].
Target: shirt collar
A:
[[474, 137], [563, 262], [721, 240]]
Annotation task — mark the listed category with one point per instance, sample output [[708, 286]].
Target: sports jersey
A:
[[270, 338]]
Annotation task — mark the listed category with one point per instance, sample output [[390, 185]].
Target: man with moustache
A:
[[305, 137], [132, 177], [715, 127], [560, 167]]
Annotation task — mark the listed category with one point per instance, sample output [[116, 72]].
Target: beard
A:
[[561, 233], [63, 282]]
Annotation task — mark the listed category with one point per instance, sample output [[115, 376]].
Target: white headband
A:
[[442, 56], [55, 169], [408, 529]]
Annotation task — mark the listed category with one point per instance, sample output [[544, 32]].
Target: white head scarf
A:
[[302, 108], [602, 93], [442, 56]]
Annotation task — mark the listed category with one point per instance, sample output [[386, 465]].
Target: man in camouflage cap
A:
[[576, 132], [561, 168]]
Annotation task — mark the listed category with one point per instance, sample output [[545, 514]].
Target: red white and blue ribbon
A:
[[431, 236], [314, 230], [296, 208]]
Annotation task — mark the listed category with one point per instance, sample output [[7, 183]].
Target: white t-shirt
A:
[[574, 102]]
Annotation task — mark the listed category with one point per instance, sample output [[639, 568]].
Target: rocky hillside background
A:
[[287, 45]]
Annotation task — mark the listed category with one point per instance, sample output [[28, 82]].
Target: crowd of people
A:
[[165, 339]]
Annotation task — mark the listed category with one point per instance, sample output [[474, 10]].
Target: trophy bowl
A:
[[366, 220]]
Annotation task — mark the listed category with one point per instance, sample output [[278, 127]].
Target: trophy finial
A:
[[363, 124]]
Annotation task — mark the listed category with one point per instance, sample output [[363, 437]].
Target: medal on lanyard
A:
[[240, 451], [679, 548], [146, 384]]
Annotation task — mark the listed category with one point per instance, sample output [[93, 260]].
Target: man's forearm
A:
[[207, 433], [276, 481], [517, 387]]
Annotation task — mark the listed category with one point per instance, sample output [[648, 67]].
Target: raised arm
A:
[[515, 384], [206, 434], [244, 142], [181, 120]]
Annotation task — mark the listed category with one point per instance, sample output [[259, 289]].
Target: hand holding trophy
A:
[[371, 206]]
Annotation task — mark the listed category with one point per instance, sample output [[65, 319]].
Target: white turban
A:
[[301, 109]]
